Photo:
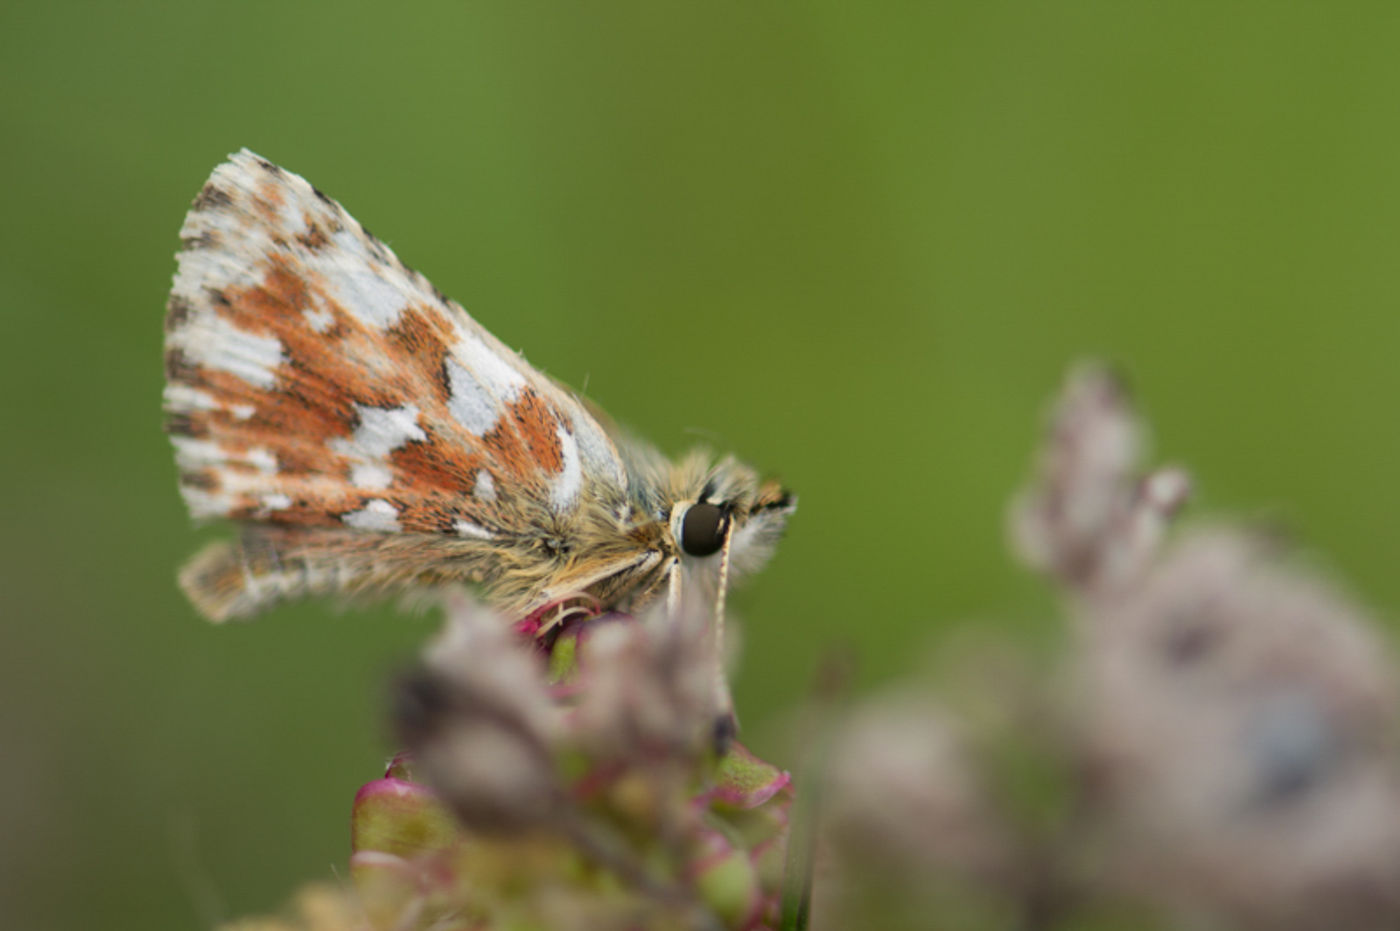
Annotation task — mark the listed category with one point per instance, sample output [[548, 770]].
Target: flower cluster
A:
[[579, 787]]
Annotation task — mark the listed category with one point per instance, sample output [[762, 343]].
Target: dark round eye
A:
[[702, 529]]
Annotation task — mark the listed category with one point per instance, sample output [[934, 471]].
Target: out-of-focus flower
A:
[[478, 718], [1088, 520], [1239, 722], [1218, 742], [1235, 718], [648, 694], [583, 793], [902, 788]]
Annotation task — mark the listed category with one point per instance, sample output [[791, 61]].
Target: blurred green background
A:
[[856, 244]]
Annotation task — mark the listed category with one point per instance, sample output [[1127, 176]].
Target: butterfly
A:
[[368, 437]]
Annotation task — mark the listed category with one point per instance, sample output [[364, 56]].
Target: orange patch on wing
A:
[[270, 306], [268, 203], [526, 441], [338, 366], [422, 336], [305, 511], [430, 515], [315, 238], [437, 465]]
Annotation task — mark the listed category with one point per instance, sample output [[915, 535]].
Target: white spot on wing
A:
[[597, 452], [184, 398], [276, 501], [375, 515], [291, 217], [468, 401], [318, 319], [570, 480], [193, 454], [380, 431], [485, 487], [360, 282], [466, 528], [371, 477], [501, 379], [262, 460], [213, 342], [202, 503]]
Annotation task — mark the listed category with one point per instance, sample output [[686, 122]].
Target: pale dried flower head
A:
[[651, 687], [1088, 520], [1239, 719], [585, 782], [478, 720], [903, 792]]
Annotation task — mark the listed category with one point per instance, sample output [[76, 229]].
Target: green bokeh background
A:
[[857, 244]]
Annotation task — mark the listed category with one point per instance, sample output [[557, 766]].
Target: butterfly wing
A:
[[315, 383]]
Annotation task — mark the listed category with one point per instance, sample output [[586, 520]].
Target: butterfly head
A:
[[724, 512]]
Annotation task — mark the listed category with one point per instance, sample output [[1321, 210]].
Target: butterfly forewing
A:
[[316, 381]]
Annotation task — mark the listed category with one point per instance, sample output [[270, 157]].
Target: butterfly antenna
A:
[[673, 591], [722, 693]]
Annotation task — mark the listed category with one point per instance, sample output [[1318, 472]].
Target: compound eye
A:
[[702, 529]]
